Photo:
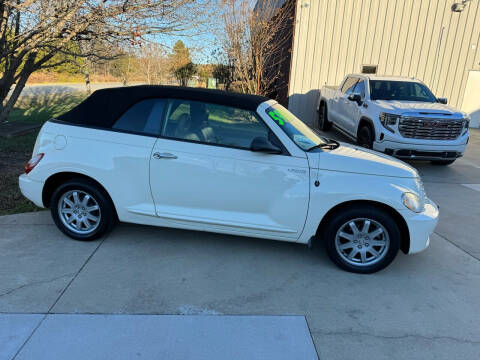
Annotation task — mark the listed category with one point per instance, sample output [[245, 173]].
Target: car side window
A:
[[213, 124], [145, 117], [349, 85]]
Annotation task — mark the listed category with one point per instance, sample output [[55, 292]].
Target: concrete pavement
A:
[[423, 306], [76, 337]]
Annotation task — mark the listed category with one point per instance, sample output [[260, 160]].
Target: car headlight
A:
[[389, 120], [412, 201]]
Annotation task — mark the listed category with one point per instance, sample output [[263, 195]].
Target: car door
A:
[[204, 175], [353, 110], [120, 157], [344, 105]]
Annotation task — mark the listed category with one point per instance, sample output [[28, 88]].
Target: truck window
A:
[[400, 90], [360, 88], [349, 85]]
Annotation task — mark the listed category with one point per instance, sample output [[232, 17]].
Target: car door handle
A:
[[164, 156]]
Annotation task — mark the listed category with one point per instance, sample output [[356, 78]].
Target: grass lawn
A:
[[16, 151]]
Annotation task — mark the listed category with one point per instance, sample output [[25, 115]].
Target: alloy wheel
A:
[[79, 211], [362, 242]]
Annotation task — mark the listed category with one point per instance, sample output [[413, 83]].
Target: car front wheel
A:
[[362, 239], [82, 210]]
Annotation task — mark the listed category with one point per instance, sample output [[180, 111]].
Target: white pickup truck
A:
[[395, 115]]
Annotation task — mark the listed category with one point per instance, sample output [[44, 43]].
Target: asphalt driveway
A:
[[423, 306]]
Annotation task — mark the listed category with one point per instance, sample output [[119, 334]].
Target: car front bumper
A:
[[31, 189], [421, 226]]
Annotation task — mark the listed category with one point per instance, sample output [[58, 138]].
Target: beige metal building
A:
[[425, 39]]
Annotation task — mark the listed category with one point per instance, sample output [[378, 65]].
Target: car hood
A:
[[400, 107], [354, 159]]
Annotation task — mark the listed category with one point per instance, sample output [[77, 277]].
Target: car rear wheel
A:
[[443, 162], [362, 239], [82, 210], [365, 137], [323, 123]]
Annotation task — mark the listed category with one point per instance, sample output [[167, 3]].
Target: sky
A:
[[201, 45], [201, 41]]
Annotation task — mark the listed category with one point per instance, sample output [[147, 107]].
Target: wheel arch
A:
[[55, 180], [399, 220], [366, 121], [322, 102]]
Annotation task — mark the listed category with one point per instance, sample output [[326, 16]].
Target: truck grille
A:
[[430, 128]]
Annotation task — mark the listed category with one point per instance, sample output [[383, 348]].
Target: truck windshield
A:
[[296, 130], [400, 90]]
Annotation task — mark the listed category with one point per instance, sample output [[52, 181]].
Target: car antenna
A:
[[317, 182]]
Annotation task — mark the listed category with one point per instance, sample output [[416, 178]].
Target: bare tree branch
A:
[[32, 32], [253, 42]]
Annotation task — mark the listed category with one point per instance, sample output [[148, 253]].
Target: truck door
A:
[[353, 109], [344, 105]]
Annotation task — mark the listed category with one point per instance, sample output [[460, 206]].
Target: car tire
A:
[[323, 123], [365, 137], [443, 162], [379, 242], [82, 210]]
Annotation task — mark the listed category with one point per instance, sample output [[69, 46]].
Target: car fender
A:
[[335, 188], [104, 156]]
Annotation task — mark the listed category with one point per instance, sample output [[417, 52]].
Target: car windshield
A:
[[296, 130], [400, 90]]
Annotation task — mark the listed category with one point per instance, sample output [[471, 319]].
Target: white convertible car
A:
[[223, 162]]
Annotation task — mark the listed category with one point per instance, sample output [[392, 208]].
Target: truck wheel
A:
[[365, 137], [82, 210], [323, 123], [362, 239], [443, 162]]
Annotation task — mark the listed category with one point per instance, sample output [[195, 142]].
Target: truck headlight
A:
[[412, 201], [388, 120], [466, 121]]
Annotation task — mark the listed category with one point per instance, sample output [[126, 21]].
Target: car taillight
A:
[[33, 162]]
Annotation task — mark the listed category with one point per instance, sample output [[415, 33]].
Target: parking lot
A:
[[423, 306]]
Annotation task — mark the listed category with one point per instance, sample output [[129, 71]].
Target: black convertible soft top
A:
[[105, 106]]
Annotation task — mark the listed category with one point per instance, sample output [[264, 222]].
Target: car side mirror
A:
[[261, 144], [355, 97], [442, 100]]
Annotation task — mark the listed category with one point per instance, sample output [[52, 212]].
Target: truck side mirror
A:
[[442, 100], [355, 97]]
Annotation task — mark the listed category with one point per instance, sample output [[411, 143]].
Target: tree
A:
[[125, 67], [204, 71], [224, 74], [181, 64], [32, 32], [252, 41], [180, 55], [153, 64], [185, 73]]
